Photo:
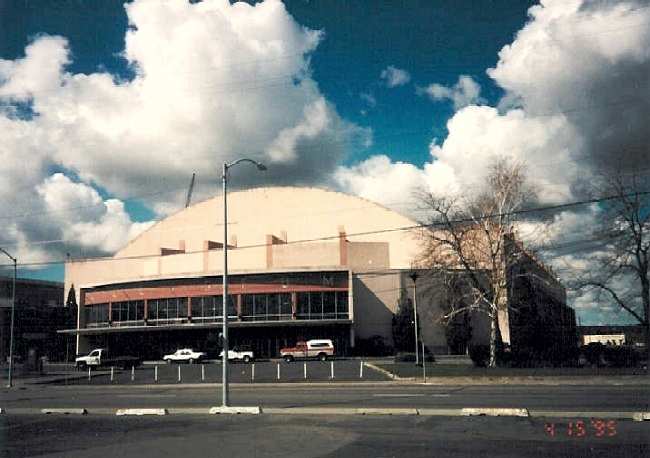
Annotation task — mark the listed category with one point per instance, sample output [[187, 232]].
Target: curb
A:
[[319, 384], [65, 411], [493, 412], [235, 410], [368, 411], [141, 412]]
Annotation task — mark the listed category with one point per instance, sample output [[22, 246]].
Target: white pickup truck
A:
[[239, 354], [316, 348], [101, 357]]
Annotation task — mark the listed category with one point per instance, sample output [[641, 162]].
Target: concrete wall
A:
[[311, 254], [375, 302], [296, 214]]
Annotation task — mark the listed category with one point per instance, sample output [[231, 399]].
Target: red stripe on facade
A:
[[134, 294]]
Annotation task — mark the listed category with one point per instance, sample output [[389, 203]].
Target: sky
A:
[[107, 108]]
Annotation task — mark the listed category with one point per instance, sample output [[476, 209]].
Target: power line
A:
[[373, 232]]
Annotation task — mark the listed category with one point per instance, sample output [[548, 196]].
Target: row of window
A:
[[205, 307], [322, 305], [254, 307], [266, 307]]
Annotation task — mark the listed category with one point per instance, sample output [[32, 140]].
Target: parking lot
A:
[[210, 372]]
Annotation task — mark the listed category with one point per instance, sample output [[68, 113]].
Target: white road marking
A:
[[146, 395], [410, 395], [400, 395]]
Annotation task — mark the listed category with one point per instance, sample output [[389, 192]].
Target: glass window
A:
[[273, 307], [329, 305], [218, 305], [182, 307], [210, 306], [260, 307], [96, 315], [197, 307], [315, 306], [247, 305], [232, 308], [285, 306], [342, 304], [162, 309], [302, 311], [116, 309]]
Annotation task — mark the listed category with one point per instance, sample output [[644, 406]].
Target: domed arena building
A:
[[303, 263]]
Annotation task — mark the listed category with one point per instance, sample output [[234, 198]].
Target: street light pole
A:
[[11, 326], [414, 276], [224, 295]]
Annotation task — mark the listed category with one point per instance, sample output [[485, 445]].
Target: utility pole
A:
[[414, 276], [11, 326], [224, 296]]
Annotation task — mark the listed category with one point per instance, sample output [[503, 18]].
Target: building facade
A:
[[304, 263], [40, 311]]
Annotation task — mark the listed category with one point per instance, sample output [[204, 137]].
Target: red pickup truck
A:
[[317, 348]]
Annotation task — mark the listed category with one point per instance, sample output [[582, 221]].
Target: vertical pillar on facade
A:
[[81, 300], [3, 351], [270, 241], [238, 306], [343, 247], [351, 308], [206, 255], [110, 313], [189, 309], [269, 251], [181, 245], [145, 315], [209, 245], [294, 305]]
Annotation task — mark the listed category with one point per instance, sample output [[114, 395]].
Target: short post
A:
[[361, 369], [132, 373], [112, 373], [253, 372], [203, 372], [278, 371], [179, 373], [332, 369], [424, 364], [89, 373], [155, 373], [304, 366]]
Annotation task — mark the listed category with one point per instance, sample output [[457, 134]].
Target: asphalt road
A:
[[593, 398], [311, 437]]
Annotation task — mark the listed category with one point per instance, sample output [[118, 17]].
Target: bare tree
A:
[[619, 272], [468, 233]]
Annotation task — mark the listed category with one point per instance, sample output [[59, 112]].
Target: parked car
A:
[[239, 354], [185, 355], [312, 349], [101, 357]]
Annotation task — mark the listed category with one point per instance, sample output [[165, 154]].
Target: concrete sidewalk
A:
[[317, 411]]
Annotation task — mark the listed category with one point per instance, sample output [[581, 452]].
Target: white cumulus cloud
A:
[[394, 76], [465, 92], [213, 81]]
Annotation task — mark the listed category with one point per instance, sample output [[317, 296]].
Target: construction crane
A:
[[189, 191]]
